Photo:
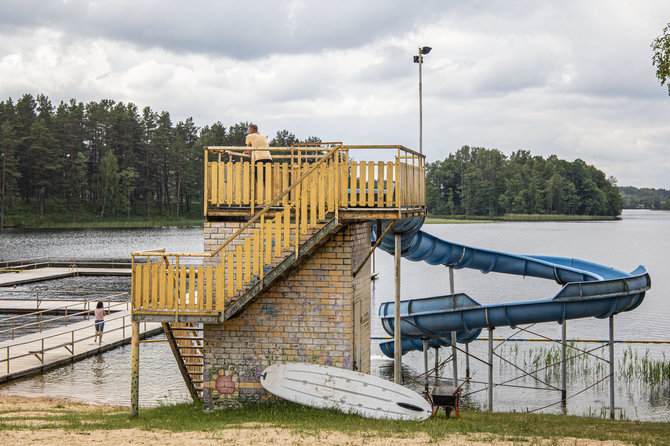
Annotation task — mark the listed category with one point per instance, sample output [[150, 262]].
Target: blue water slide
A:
[[588, 290]]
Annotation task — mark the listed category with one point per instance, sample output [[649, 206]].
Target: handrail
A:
[[105, 295], [40, 322], [274, 201], [48, 310], [283, 202], [248, 223], [33, 263]]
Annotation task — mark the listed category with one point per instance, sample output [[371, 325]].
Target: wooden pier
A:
[[37, 352]]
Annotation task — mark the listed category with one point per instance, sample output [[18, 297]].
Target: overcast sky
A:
[[571, 78]]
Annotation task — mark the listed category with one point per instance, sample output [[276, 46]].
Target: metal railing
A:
[[69, 345], [87, 295], [68, 262], [40, 314]]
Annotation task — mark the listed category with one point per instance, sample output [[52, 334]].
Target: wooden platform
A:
[[37, 352], [49, 273]]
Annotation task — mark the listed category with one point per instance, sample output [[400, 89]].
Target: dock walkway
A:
[[37, 352], [51, 272]]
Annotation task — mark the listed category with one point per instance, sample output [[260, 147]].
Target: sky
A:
[[570, 78]]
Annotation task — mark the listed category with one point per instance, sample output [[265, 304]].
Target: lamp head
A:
[[426, 50]]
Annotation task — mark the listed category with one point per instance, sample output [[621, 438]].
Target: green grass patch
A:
[[302, 420], [450, 219]]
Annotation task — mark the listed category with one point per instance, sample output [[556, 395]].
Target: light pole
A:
[[419, 59]]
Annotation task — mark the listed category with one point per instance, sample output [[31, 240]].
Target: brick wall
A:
[[318, 313]]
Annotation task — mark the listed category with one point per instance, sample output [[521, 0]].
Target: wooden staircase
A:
[[281, 266], [186, 342]]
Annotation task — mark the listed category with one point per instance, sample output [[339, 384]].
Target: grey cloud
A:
[[231, 29]]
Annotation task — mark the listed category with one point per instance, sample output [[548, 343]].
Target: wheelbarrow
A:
[[447, 397]]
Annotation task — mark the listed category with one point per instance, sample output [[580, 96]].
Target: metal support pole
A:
[[467, 360], [135, 371], [420, 105], [425, 359], [564, 348], [397, 342], [453, 333], [490, 392], [611, 342], [437, 363]]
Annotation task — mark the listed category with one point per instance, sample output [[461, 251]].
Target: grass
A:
[[26, 216], [307, 421], [446, 219], [652, 372], [135, 222]]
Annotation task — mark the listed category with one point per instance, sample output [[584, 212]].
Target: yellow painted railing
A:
[[300, 196], [233, 182], [159, 286]]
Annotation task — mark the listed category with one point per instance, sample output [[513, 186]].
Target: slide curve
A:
[[588, 290]]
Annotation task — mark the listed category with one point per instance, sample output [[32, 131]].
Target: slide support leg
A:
[[611, 344], [564, 348], [135, 370], [453, 333], [437, 364], [425, 360], [490, 389], [397, 341]]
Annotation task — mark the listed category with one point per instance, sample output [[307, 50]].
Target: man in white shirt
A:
[[255, 139]]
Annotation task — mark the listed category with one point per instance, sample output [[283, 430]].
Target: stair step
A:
[[186, 338]]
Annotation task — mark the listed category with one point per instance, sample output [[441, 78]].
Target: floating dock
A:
[[50, 273], [38, 352]]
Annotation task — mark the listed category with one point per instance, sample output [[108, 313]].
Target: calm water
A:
[[642, 237]]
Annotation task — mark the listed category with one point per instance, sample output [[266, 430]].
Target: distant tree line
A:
[[106, 157], [645, 198], [479, 181]]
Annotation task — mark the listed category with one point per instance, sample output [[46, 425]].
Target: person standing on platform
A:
[[258, 157], [255, 139], [99, 316]]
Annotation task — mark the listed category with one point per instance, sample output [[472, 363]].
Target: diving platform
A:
[[261, 220], [284, 274]]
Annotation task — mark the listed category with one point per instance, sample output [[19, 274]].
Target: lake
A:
[[641, 237]]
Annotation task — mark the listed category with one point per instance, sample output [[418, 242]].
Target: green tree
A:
[[46, 166], [109, 181], [284, 138], [661, 56], [25, 116], [69, 130], [9, 165], [149, 127], [127, 184]]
